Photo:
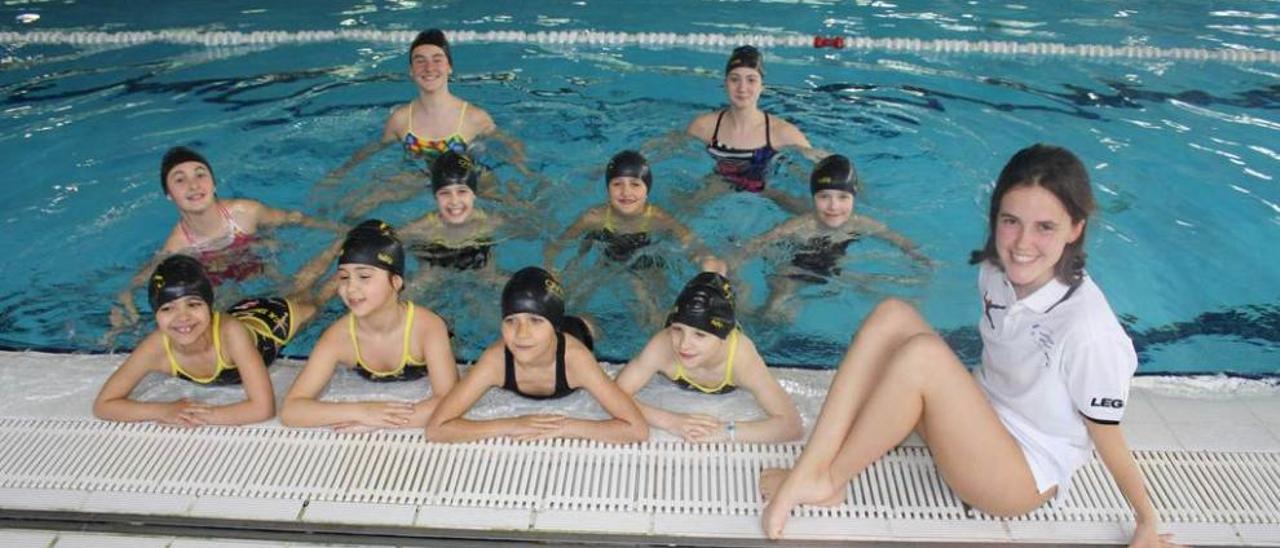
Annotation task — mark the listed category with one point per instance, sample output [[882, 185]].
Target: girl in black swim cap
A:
[[194, 343], [535, 359], [382, 338], [742, 139], [222, 233], [702, 349], [624, 229], [817, 241]]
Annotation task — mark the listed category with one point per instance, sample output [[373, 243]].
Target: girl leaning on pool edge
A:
[[1055, 372]]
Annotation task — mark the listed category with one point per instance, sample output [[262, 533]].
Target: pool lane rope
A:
[[647, 39]]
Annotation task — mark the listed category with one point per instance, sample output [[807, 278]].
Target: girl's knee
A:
[[925, 355]]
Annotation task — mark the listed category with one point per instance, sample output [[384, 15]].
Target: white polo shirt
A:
[[1049, 362]]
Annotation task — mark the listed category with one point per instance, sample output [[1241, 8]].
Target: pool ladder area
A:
[[650, 490]]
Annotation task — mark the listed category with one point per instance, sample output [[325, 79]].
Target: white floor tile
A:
[[26, 539], [107, 540], [1216, 410], [1149, 435], [1224, 436], [246, 508]]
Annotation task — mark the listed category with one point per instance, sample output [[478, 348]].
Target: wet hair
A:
[[629, 163], [374, 243], [1060, 172], [579, 329], [433, 37], [835, 172], [706, 303], [178, 155], [176, 277], [535, 291], [454, 168], [745, 56]]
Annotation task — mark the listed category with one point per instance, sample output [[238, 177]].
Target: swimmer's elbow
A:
[[637, 431], [291, 416]]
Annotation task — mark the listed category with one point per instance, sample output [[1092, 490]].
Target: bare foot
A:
[[770, 480], [796, 488]]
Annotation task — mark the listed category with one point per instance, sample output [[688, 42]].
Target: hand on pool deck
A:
[[538, 427], [699, 428], [383, 414], [185, 413]]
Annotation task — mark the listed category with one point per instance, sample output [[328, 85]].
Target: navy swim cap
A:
[[745, 56], [706, 303], [835, 172], [374, 243], [176, 277], [453, 168], [535, 291], [577, 328], [178, 155], [629, 163], [434, 37]]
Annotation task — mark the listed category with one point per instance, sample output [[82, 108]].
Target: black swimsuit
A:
[[819, 258], [562, 382], [471, 257]]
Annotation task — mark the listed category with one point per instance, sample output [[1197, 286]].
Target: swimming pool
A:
[[1182, 153]]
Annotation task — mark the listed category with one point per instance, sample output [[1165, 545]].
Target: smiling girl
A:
[[822, 238], [382, 337], [194, 343], [1052, 386], [702, 349]]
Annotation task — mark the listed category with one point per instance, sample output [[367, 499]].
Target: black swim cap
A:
[[706, 303], [176, 277], [577, 328], [629, 163], [535, 291], [374, 243], [434, 37], [453, 168], [745, 56], [175, 156], [835, 172]]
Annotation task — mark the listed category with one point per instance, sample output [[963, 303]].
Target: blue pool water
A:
[[1183, 154]]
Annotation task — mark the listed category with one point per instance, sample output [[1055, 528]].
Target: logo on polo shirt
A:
[[1107, 402], [988, 306]]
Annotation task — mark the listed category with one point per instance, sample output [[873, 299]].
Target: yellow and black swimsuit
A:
[[622, 247], [409, 369], [270, 322], [726, 385]]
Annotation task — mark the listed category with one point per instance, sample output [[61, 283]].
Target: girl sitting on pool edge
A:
[[1055, 373], [535, 359]]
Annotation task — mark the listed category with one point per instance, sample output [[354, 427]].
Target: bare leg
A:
[[889, 325], [922, 384], [780, 289]]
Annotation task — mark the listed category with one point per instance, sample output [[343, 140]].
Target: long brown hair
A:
[[1060, 172]]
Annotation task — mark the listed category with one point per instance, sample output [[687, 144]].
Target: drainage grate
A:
[[569, 475]]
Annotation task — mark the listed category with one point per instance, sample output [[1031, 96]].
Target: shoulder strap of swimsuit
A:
[[174, 368], [231, 220], [715, 134], [462, 117], [509, 375], [562, 377], [218, 363], [408, 128], [355, 342], [728, 367], [768, 141], [407, 357]]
